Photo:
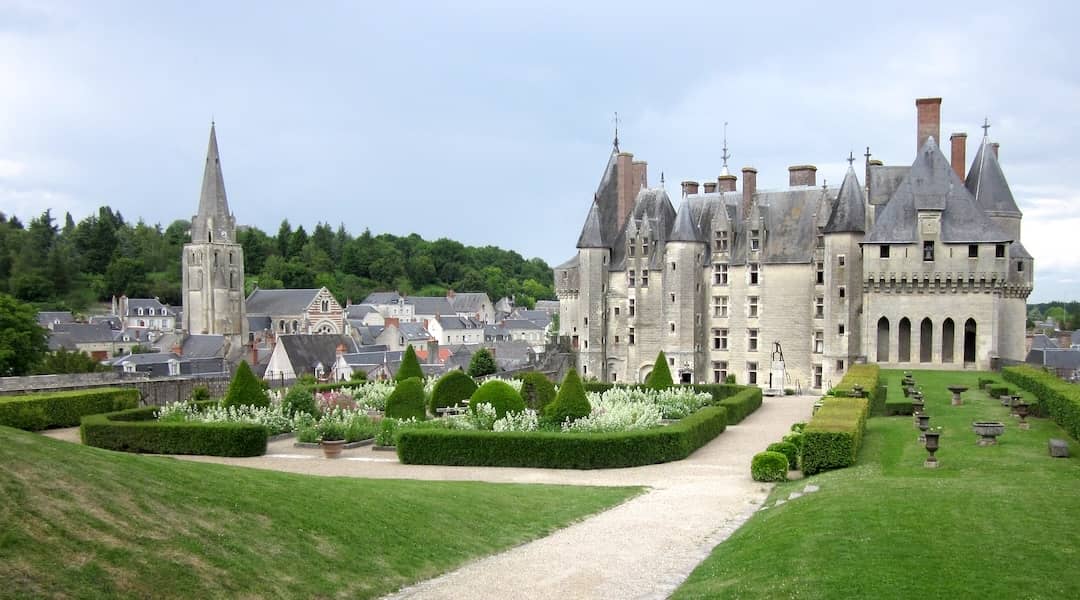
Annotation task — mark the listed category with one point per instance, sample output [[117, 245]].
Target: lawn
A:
[[80, 522], [994, 522]]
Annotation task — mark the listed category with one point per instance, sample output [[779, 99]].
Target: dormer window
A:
[[755, 240], [722, 241], [139, 311], [630, 247]]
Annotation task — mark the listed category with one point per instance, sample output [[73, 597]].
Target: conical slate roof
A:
[[849, 211], [685, 229], [602, 224], [987, 184], [591, 234], [213, 204], [932, 185]]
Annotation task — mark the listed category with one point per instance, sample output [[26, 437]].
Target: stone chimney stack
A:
[[641, 174], [726, 183], [710, 187], [749, 188], [959, 152], [802, 175], [689, 188], [929, 110], [996, 147], [627, 185]]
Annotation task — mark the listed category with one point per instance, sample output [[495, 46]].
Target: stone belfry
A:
[[213, 263]]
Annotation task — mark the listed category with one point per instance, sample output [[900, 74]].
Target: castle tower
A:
[[213, 263], [843, 271], [683, 302]]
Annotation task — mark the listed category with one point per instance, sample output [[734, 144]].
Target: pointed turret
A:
[[685, 229], [987, 183], [591, 234], [849, 211], [214, 222]]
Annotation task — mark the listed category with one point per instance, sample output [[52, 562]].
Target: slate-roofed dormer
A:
[[849, 210]]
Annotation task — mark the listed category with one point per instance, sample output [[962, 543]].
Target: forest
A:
[[1065, 314], [71, 265]]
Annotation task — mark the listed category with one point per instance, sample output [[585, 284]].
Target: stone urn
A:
[[1011, 402], [857, 391], [923, 423], [332, 448], [933, 439], [956, 390], [918, 405], [988, 432], [1022, 412]]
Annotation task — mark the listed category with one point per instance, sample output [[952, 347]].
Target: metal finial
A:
[[850, 158], [824, 184], [867, 155], [616, 130], [725, 156], [986, 126], [661, 179]]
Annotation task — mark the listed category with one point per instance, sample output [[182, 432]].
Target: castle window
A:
[[754, 272], [999, 251], [819, 342], [720, 337], [720, 305], [719, 371], [672, 266], [884, 249], [819, 307], [755, 240], [752, 307], [215, 258], [645, 247], [973, 251], [1019, 266], [840, 329], [751, 373], [843, 291], [928, 251], [616, 340], [840, 260], [230, 258], [671, 360], [752, 337], [720, 274], [232, 281], [673, 298], [632, 307], [630, 337], [616, 311], [839, 366], [820, 241], [820, 273], [671, 326], [722, 241], [326, 306], [644, 278], [630, 278], [586, 321], [630, 246], [817, 377]]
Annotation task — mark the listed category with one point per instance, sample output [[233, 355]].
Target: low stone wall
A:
[[153, 392]]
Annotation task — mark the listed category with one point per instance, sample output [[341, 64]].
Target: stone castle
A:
[[915, 266]]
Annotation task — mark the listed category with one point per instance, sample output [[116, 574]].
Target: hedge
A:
[[138, 430], [740, 400], [562, 450], [769, 466], [788, 449], [997, 391], [34, 412], [1058, 399], [869, 377], [832, 437]]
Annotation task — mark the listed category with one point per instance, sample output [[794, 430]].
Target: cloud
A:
[[29, 203], [10, 169]]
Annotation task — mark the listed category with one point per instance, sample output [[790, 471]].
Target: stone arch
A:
[[644, 371], [295, 326], [948, 340], [326, 326], [926, 340], [883, 339], [970, 337], [903, 342]]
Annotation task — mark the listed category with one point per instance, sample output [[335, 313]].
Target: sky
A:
[[491, 122]]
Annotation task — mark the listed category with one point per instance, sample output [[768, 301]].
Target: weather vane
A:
[[616, 130], [725, 156]]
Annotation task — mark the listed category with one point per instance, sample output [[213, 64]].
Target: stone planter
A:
[[918, 406], [923, 423], [956, 390], [933, 439], [332, 448], [1022, 412], [988, 432], [857, 391]]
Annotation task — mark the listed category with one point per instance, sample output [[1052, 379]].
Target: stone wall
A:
[[153, 392]]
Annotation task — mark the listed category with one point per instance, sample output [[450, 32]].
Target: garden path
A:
[[643, 548]]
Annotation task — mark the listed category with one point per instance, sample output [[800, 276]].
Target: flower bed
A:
[[34, 412]]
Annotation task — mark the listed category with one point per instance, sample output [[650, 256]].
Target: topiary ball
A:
[[787, 449], [451, 389], [299, 399], [407, 400], [769, 466], [571, 403], [498, 394], [536, 390]]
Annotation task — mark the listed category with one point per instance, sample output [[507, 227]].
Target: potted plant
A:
[[331, 437]]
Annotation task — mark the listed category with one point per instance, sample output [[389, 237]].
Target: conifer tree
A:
[[245, 389], [410, 366], [660, 378], [482, 363]]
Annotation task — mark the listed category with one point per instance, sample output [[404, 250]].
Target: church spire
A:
[[214, 222]]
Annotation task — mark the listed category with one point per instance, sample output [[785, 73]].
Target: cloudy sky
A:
[[492, 124]]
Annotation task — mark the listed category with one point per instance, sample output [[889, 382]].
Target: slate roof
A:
[[307, 350], [884, 181], [145, 358], [849, 211], [547, 306], [358, 311], [459, 323], [366, 333], [987, 184], [591, 234], [86, 333], [48, 318], [280, 302], [1040, 341], [1055, 358], [931, 184], [203, 346], [133, 304], [469, 301], [601, 225], [540, 317], [382, 298], [1076, 338], [112, 321], [413, 332], [430, 305], [260, 323], [493, 332], [684, 229], [653, 215], [521, 324]]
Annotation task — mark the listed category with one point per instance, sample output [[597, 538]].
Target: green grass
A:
[[994, 522], [79, 522]]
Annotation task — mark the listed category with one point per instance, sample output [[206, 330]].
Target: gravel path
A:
[[643, 548]]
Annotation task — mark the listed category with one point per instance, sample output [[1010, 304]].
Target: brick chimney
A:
[[929, 120], [641, 174], [177, 349], [959, 151], [254, 354], [996, 148], [710, 187], [625, 185], [802, 175], [689, 188], [749, 187], [727, 183]]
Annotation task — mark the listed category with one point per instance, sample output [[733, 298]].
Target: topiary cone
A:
[[571, 402], [245, 389], [660, 378], [410, 366]]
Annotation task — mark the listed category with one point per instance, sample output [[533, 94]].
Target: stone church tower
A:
[[213, 263]]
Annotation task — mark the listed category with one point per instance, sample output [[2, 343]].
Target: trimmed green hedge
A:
[[740, 400], [35, 412], [769, 466], [874, 389], [138, 431], [833, 436], [900, 406], [1058, 399], [562, 450], [789, 450], [997, 391]]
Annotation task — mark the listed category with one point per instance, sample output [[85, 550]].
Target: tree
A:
[[571, 403], [407, 400], [22, 341], [245, 389], [410, 366], [660, 378], [63, 361], [482, 363]]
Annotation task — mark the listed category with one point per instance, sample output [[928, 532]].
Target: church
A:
[[913, 266]]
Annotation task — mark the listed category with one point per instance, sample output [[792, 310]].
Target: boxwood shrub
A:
[[769, 466], [562, 450], [1057, 399], [570, 403], [832, 438], [499, 395], [137, 430], [407, 400], [537, 390], [998, 390], [35, 412], [451, 389], [787, 449]]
